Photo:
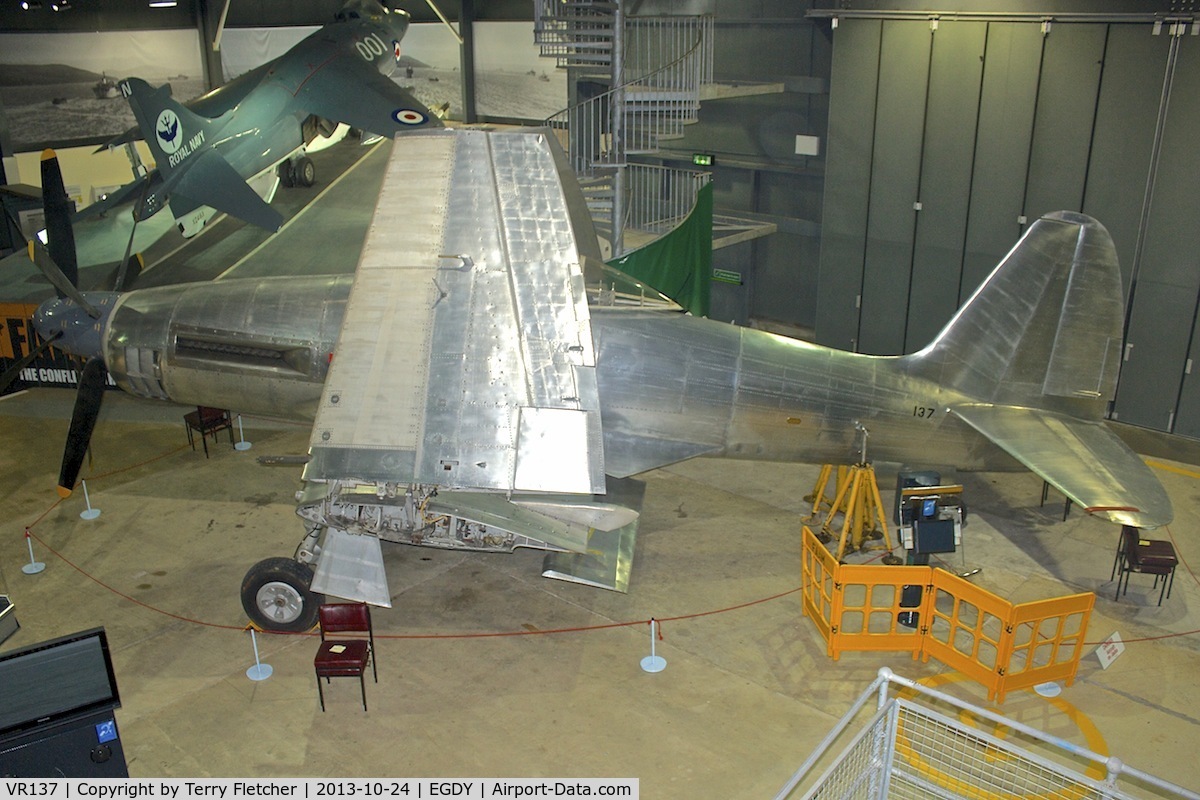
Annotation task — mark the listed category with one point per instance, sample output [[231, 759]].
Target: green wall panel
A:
[[1161, 330], [1135, 63], [853, 82], [896, 159], [1062, 129], [1010, 78], [955, 76]]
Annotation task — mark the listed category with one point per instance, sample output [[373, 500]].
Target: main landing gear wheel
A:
[[305, 172], [276, 595]]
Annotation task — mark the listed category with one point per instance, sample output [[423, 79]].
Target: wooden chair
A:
[[345, 657]]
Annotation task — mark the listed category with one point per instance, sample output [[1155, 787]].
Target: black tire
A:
[[306, 172], [276, 595], [287, 175]]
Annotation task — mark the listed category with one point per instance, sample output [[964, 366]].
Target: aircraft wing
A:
[[1083, 460], [372, 102], [465, 357]]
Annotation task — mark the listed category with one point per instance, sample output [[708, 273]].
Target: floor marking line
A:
[[1177, 470], [288, 224]]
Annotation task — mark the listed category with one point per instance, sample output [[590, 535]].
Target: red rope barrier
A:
[[480, 635]]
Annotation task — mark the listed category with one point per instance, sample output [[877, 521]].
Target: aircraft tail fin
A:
[[1036, 352], [177, 136], [1044, 330], [172, 131]]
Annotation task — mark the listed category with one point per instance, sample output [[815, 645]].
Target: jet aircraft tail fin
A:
[[179, 139], [172, 131], [1044, 330]]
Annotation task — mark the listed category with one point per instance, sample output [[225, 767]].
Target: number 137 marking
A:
[[923, 411]]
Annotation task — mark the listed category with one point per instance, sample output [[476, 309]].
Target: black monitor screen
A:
[[933, 536], [47, 681]]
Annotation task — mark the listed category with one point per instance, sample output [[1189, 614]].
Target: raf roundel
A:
[[406, 116]]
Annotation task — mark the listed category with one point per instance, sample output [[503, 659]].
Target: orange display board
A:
[[932, 613]]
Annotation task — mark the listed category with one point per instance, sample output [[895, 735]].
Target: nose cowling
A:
[[79, 333]]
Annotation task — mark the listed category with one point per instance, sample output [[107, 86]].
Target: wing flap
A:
[[1083, 460]]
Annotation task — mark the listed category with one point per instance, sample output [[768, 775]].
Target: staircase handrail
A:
[[578, 116]]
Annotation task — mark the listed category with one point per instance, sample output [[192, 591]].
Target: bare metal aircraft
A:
[[482, 382]]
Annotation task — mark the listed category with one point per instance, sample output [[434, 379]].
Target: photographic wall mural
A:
[[511, 79], [59, 88]]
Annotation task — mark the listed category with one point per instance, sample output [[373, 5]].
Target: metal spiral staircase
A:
[[654, 68]]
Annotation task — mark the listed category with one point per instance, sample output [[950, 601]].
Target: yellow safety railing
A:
[[932, 613]]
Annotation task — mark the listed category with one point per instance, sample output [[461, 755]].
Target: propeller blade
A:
[[41, 257], [60, 237], [119, 282], [83, 422], [12, 372]]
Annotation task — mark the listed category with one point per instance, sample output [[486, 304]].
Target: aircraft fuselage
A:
[[671, 386]]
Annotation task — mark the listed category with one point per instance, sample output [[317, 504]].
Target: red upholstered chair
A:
[[345, 657]]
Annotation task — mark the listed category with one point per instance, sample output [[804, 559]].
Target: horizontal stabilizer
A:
[[1116, 484], [213, 182]]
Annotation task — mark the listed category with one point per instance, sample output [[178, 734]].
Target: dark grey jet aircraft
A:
[[483, 383], [206, 150]]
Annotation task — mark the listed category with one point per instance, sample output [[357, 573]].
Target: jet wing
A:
[[1083, 460], [376, 104], [213, 182], [465, 357]]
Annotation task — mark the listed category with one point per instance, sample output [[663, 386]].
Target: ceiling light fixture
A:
[[163, 3], [31, 5]]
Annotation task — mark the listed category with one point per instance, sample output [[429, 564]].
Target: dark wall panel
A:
[[955, 75], [1156, 349], [847, 178], [1162, 322], [891, 217], [1066, 108], [1010, 79], [1135, 62]]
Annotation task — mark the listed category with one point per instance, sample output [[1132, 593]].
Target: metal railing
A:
[[652, 106], [579, 39], [657, 198], [907, 749]]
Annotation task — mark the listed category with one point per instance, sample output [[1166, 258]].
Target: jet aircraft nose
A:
[[81, 335]]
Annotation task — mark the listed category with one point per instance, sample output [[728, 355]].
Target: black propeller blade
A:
[[12, 372], [83, 421], [44, 261], [58, 262], [60, 238]]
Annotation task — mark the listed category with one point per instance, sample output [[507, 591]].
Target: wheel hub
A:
[[280, 602]]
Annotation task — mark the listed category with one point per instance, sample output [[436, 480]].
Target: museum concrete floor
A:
[[746, 694]]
